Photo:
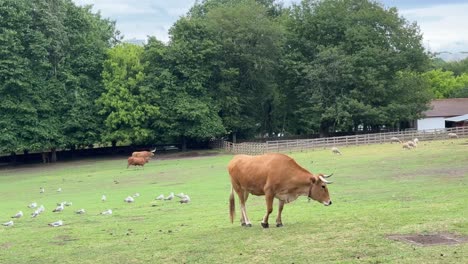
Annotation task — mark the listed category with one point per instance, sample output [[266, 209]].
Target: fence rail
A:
[[328, 142]]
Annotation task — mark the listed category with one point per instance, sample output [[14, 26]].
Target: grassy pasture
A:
[[379, 190]]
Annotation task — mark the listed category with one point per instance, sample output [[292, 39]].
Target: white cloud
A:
[[444, 27]]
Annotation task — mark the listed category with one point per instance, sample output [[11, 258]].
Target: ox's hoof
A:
[[279, 225], [246, 225], [265, 225]]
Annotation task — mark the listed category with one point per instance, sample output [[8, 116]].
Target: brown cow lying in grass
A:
[[137, 161]]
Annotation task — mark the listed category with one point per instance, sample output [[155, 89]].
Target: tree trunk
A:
[[53, 155], [234, 137], [114, 147], [13, 158], [45, 157], [184, 143]]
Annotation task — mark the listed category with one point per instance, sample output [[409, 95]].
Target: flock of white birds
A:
[[184, 198]]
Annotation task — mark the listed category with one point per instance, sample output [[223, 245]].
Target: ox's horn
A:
[[153, 150], [328, 176], [323, 180]]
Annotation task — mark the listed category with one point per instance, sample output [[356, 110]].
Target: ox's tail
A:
[[232, 206]]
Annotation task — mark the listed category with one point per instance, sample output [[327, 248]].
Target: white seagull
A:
[[136, 195], [41, 209], [160, 197], [58, 208], [59, 190], [18, 214], [35, 213], [180, 195], [107, 212], [56, 224], [9, 223], [129, 199], [185, 199], [170, 197], [42, 190], [32, 205], [81, 211], [67, 203], [103, 198]]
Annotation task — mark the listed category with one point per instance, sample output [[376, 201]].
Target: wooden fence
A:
[[328, 142]]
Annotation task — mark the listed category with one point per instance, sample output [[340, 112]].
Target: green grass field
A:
[[378, 190]]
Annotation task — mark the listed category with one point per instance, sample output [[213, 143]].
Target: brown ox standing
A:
[[137, 161], [275, 176], [143, 154]]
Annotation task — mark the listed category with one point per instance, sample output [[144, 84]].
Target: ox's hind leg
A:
[[279, 222], [269, 203], [243, 195], [244, 219]]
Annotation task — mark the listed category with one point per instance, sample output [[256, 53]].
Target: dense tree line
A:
[[241, 69]]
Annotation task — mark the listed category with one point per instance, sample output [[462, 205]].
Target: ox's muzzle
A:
[[327, 203]]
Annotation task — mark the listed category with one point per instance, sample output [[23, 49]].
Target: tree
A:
[[244, 69], [344, 59], [180, 74], [129, 107]]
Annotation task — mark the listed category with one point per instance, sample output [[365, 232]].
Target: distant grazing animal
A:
[[406, 146], [412, 144], [452, 135], [144, 154], [395, 139], [137, 161], [335, 150], [275, 176], [416, 140]]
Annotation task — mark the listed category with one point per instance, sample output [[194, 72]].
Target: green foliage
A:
[[52, 53], [128, 106], [444, 84], [345, 58]]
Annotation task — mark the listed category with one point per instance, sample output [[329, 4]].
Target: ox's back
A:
[[253, 173]]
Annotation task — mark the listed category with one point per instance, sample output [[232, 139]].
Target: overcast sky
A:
[[444, 24]]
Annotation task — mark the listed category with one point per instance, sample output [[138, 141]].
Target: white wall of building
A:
[[431, 123]]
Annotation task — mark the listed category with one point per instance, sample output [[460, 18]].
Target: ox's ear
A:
[[313, 179]]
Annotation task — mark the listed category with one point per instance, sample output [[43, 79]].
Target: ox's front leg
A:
[[269, 203], [279, 222]]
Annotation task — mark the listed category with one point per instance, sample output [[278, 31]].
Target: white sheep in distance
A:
[[452, 135], [406, 146], [395, 139], [412, 144], [335, 150], [416, 140]]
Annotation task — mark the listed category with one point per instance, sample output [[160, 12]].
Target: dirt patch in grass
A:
[[446, 173], [430, 239], [63, 240], [6, 245]]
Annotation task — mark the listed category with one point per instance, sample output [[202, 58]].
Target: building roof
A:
[[458, 118], [448, 107]]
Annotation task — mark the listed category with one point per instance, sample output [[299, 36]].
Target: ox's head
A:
[[318, 190]]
